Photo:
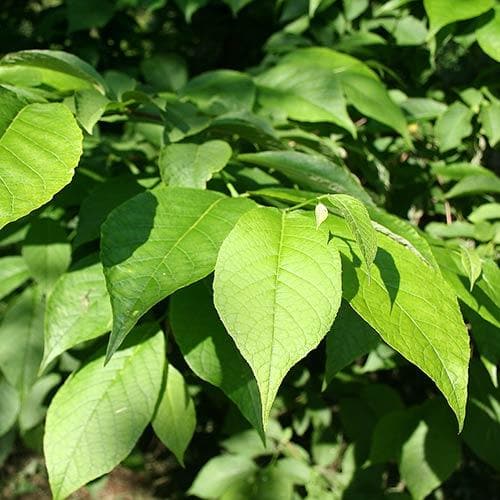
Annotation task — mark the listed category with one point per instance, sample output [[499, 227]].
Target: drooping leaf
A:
[[471, 262], [9, 407], [358, 220], [46, 251], [412, 308], [40, 145], [220, 473], [101, 411], [453, 126], [311, 172], [21, 339], [349, 338], [482, 424], [192, 165], [490, 118], [277, 291], [58, 62], [210, 352], [488, 36], [89, 106], [13, 273], [431, 453], [175, 419], [158, 242], [78, 309], [443, 12]]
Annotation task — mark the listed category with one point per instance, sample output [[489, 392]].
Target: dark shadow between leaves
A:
[[389, 273]]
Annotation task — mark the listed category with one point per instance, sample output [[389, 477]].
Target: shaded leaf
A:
[[13, 273]]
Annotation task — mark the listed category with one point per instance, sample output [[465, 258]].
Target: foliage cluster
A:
[[284, 213]]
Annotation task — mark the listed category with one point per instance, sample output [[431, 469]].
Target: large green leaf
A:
[[488, 36], [13, 273], [99, 413], [158, 242], [58, 62], [453, 126], [209, 350], [277, 291], [21, 339], [40, 145], [46, 251], [412, 308], [443, 12], [311, 172], [175, 418], [78, 309], [192, 165]]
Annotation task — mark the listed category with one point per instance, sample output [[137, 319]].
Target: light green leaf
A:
[[354, 8], [220, 473], [192, 165], [78, 309], [412, 308], [453, 126], [349, 338], [22, 322], [13, 273], [484, 212], [158, 242], [482, 424], [311, 172], [58, 62], [431, 453], [175, 418], [457, 171], [101, 411], [488, 35], [277, 291], [221, 91], [471, 262], [90, 106], [443, 12], [358, 220], [210, 352], [40, 145], [410, 31], [474, 184], [9, 407], [490, 120], [423, 109], [46, 252]]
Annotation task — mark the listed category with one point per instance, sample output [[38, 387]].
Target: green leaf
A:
[[101, 411], [175, 418], [236, 5], [210, 352], [457, 171], [412, 308], [423, 109], [158, 242], [485, 212], [482, 424], [220, 473], [453, 126], [87, 14], [443, 12], [474, 184], [431, 453], [183, 119], [488, 36], [59, 62], [46, 252], [471, 262], [78, 309], [308, 94], [490, 120], [40, 145], [410, 31], [166, 72], [10, 406], [358, 220], [23, 321], [189, 7], [277, 291], [221, 91], [90, 106], [13, 273], [311, 172], [100, 202], [192, 165], [349, 338]]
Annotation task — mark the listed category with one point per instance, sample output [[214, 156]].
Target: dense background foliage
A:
[[279, 102]]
